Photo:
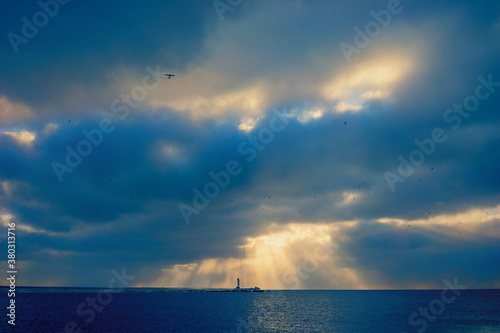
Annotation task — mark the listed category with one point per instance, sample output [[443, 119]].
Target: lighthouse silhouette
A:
[[238, 286]]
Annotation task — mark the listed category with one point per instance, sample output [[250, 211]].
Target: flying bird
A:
[[169, 76]]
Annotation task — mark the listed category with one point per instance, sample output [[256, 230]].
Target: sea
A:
[[58, 310]]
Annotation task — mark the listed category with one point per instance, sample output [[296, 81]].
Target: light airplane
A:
[[169, 76]]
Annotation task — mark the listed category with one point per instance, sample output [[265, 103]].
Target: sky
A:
[[301, 144]]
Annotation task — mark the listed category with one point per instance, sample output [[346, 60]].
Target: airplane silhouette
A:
[[169, 76]]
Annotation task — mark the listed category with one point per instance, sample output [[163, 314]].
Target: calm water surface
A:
[[285, 311]]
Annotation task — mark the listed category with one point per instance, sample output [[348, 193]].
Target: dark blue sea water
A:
[[284, 311]]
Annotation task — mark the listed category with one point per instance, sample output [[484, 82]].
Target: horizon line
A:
[[210, 288]]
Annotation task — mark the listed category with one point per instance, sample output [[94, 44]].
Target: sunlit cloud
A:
[[33, 230], [309, 115], [6, 218], [169, 152], [50, 128], [374, 78], [205, 92], [303, 255], [7, 187], [349, 198], [288, 256], [345, 107], [10, 111], [306, 114], [56, 252], [470, 223], [248, 123], [22, 137], [374, 94], [302, 191]]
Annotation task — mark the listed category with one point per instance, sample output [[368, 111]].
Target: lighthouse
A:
[[238, 286]]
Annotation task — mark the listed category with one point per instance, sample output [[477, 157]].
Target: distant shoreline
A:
[[32, 289]]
